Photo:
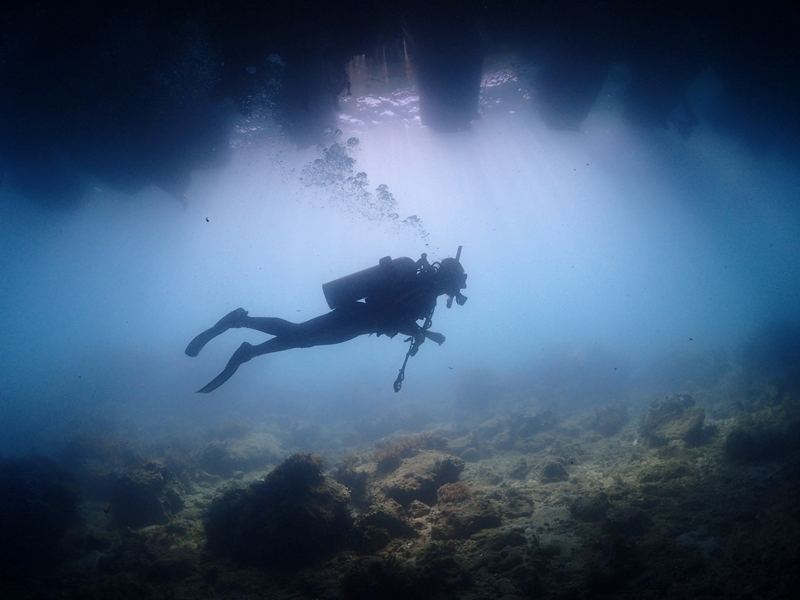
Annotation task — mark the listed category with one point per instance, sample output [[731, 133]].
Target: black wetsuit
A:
[[396, 308]]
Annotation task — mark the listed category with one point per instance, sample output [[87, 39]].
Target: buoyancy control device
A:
[[368, 282], [374, 283]]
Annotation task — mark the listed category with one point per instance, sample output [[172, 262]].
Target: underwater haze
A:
[[607, 263], [614, 411]]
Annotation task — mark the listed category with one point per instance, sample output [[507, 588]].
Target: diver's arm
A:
[[416, 311], [434, 336], [419, 334]]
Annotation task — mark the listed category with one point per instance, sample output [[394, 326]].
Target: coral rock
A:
[[418, 477], [382, 522], [674, 418], [291, 518], [146, 495], [553, 472], [459, 521]]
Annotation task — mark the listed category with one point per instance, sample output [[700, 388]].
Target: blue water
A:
[[605, 264]]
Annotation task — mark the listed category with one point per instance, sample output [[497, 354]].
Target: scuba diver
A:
[[396, 294]]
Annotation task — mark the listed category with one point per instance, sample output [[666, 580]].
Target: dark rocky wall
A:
[[135, 93]]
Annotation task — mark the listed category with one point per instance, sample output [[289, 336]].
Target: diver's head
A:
[[452, 279]]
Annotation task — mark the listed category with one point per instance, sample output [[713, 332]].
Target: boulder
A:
[[674, 418], [373, 577], [520, 469], [460, 521], [252, 452], [39, 503], [380, 524], [552, 472], [291, 518], [753, 444], [418, 477], [148, 494]]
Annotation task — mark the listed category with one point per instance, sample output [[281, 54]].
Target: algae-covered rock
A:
[[510, 537], [626, 520], [753, 444], [459, 521], [418, 477], [518, 504], [674, 418], [589, 509], [251, 452], [149, 494], [520, 469], [292, 517], [609, 420], [418, 509], [552, 472], [380, 524], [38, 502], [373, 577]]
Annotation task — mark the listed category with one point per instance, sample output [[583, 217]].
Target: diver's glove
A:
[[435, 337]]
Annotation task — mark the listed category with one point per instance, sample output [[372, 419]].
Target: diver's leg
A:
[[331, 328], [270, 325], [244, 353], [232, 319], [339, 325]]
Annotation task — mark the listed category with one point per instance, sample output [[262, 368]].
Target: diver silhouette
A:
[[386, 299]]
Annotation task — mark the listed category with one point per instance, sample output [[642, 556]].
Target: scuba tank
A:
[[369, 282]]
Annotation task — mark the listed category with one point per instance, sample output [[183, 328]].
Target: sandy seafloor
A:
[[680, 497]]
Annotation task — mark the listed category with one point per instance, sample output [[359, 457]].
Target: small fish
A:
[[107, 509]]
